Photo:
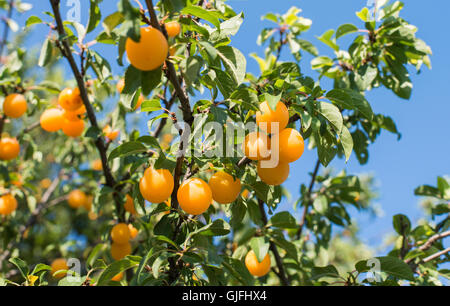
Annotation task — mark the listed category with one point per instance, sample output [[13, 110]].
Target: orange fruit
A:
[[110, 133], [118, 277], [291, 145], [255, 267], [70, 99], [77, 198], [156, 186], [120, 250], [256, 146], [274, 176], [8, 204], [96, 165], [52, 120], [92, 215], [120, 233], [133, 231], [129, 205], [225, 189], [173, 28], [14, 105], [9, 148], [45, 183], [150, 52], [73, 128], [59, 264], [76, 114], [266, 116], [194, 196]]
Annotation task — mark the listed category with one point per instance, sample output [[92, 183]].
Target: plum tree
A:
[[195, 129]]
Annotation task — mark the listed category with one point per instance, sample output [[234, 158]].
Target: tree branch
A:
[[309, 201], [99, 142], [436, 255], [6, 29]]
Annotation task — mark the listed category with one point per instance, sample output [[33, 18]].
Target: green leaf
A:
[[327, 38], [234, 62], [350, 99], [232, 25], [112, 21], [70, 281], [208, 15], [260, 246], [402, 225], [94, 254], [332, 114], [320, 204], [117, 267], [390, 265], [126, 149], [150, 80], [346, 141], [328, 271], [345, 29], [21, 265], [151, 106], [364, 14], [46, 53], [32, 20], [283, 219], [95, 15], [272, 100], [427, 191], [217, 228]]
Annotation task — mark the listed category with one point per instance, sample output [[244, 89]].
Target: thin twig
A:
[[6, 29], [309, 200]]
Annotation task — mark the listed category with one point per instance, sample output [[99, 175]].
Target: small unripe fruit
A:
[[9, 148], [225, 189], [120, 233], [15, 105], [255, 267], [266, 116], [194, 196], [156, 185]]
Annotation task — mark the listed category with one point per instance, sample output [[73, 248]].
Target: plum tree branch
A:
[[6, 27], [308, 202], [99, 142], [430, 242]]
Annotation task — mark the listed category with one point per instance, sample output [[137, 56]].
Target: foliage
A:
[[174, 248]]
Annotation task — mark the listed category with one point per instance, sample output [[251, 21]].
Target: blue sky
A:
[[399, 166]]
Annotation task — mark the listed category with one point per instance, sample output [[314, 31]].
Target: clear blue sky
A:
[[399, 166]]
